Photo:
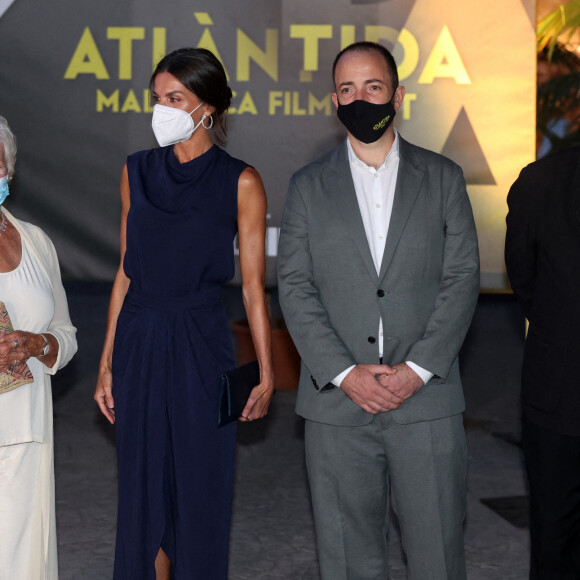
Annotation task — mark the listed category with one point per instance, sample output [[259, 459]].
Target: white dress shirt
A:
[[375, 192]]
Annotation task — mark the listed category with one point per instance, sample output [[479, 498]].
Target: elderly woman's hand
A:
[[18, 346]]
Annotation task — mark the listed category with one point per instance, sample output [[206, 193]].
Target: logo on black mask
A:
[[366, 121]]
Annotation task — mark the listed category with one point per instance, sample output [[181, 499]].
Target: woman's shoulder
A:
[[32, 234], [30, 229], [236, 165]]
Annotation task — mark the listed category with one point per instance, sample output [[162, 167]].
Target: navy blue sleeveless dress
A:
[[172, 341]]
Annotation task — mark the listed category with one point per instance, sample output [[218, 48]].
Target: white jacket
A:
[[16, 407]]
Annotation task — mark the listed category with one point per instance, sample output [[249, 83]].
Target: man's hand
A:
[[404, 383], [363, 388]]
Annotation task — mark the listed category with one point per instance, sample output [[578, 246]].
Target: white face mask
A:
[[171, 125]]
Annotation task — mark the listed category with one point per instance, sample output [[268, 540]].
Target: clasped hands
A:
[[17, 347], [380, 388]]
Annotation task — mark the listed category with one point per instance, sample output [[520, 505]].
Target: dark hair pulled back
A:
[[199, 71]]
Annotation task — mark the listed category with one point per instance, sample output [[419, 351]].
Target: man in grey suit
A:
[[378, 280]]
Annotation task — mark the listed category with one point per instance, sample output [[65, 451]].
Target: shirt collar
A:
[[393, 153]]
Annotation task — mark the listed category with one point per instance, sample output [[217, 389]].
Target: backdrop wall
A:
[[74, 74]]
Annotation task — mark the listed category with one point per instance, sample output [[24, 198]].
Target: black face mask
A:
[[366, 121]]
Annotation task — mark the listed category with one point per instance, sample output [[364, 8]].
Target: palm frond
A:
[[564, 20]]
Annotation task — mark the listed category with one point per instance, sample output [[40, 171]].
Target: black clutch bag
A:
[[234, 391]]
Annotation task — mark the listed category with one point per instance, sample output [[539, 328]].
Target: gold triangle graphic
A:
[[463, 147]]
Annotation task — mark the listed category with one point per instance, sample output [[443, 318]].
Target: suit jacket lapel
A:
[[341, 188], [409, 179]]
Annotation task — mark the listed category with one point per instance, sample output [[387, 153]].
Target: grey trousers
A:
[[352, 473]]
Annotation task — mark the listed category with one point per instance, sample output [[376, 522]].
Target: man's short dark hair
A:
[[365, 46]]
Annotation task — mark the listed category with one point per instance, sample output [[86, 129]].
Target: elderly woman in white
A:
[[32, 291]]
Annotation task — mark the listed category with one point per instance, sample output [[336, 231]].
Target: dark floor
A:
[[272, 531]]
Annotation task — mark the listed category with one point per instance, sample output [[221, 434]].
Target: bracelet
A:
[[45, 348]]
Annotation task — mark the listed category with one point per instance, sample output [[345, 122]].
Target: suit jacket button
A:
[[372, 339], [380, 293]]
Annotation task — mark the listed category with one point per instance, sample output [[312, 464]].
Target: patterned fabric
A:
[[18, 374]]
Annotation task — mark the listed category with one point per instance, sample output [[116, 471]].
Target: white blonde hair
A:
[[8, 139]]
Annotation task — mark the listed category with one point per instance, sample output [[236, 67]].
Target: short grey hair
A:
[[8, 139]]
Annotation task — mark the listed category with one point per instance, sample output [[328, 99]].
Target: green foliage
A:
[[558, 25]]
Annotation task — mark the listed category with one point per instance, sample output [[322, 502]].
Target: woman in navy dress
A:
[[168, 339]]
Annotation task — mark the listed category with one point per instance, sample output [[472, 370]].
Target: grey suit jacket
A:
[[425, 293]]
